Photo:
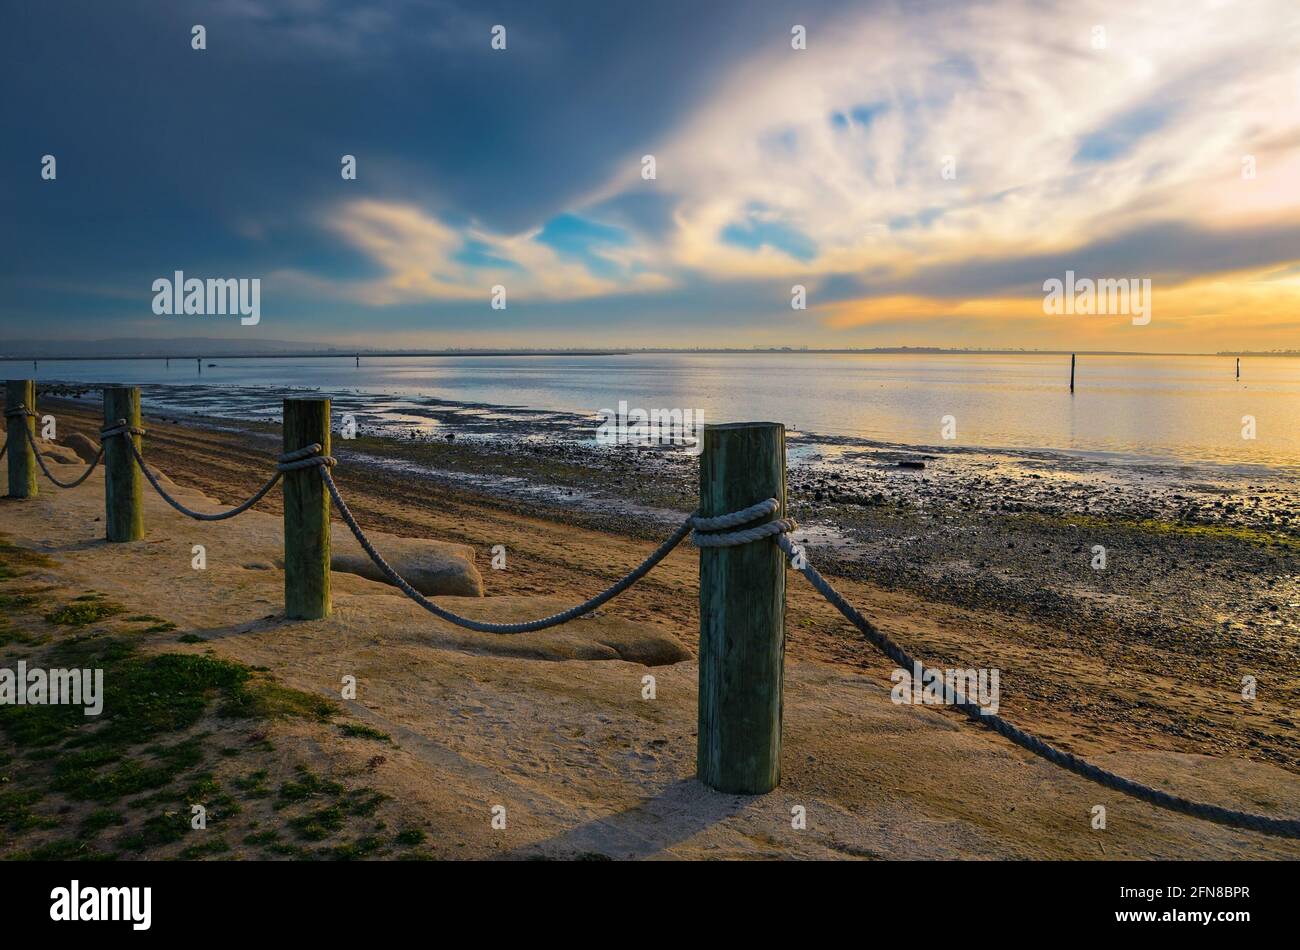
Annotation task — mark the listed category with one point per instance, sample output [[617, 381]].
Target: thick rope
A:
[[1282, 827], [578, 610], [36, 450], [21, 410], [121, 428]]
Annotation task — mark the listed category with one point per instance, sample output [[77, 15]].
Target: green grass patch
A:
[[363, 802], [98, 820], [308, 785], [166, 828], [410, 837], [358, 731], [81, 613], [216, 845], [8, 637], [130, 777], [16, 809], [64, 849], [145, 699], [319, 823], [266, 699], [363, 847], [12, 603], [168, 692], [253, 785]]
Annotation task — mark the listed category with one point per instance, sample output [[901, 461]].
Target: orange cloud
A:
[[1220, 312]]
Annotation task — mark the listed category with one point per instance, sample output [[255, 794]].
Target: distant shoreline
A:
[[780, 351]]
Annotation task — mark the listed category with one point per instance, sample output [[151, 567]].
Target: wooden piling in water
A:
[[742, 615], [22, 460], [1072, 358], [123, 483], [306, 514], [1239, 367]]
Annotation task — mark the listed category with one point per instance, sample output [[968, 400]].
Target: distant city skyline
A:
[[920, 170]]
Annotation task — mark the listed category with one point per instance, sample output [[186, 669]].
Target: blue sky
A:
[[775, 166]]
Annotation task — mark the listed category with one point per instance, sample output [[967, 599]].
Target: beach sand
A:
[[583, 765]]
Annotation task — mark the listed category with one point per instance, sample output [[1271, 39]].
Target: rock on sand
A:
[[58, 455], [431, 567], [85, 447]]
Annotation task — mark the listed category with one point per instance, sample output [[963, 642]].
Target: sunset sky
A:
[[775, 166]]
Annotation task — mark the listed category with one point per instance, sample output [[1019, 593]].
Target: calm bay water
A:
[[1168, 410]]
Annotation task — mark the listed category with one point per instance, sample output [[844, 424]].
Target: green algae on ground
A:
[[1156, 526]]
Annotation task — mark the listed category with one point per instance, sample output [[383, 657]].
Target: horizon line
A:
[[345, 353]]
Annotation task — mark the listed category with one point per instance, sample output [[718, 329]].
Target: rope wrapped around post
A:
[[14, 413], [285, 463], [712, 533]]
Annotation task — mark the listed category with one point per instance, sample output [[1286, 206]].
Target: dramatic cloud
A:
[[921, 168]]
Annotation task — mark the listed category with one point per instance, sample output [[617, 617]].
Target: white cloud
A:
[[420, 257], [1011, 91]]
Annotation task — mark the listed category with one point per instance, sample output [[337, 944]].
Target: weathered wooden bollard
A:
[[123, 484], [1072, 358], [22, 460], [742, 615], [306, 514]]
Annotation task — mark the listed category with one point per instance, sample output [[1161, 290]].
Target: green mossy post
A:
[[306, 514], [123, 483], [22, 460], [742, 615]]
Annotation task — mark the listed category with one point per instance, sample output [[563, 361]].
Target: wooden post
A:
[[123, 483], [306, 514], [1239, 367], [742, 615], [22, 460], [1072, 356]]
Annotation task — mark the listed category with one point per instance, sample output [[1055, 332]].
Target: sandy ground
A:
[[584, 765]]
